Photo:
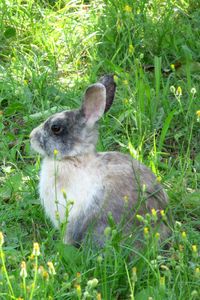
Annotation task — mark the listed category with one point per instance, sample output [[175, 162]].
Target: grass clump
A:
[[50, 51]]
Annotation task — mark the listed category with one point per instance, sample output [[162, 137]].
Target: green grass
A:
[[49, 52]]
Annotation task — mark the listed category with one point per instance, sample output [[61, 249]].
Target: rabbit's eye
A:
[[56, 129]]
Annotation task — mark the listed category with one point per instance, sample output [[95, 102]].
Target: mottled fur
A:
[[98, 183]]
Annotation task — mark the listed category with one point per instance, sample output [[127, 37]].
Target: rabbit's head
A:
[[75, 132]]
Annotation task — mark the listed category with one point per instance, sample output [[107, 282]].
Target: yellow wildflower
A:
[[41, 270], [194, 248], [159, 178], [154, 214], [163, 215], [172, 67], [116, 78], [125, 101], [78, 290], [157, 235], [125, 82], [184, 235], [146, 232], [194, 251], [99, 296], [36, 249], [198, 113], [126, 198], [55, 152], [162, 212], [179, 91], [197, 272], [153, 211], [181, 248], [31, 257], [128, 8], [131, 49], [162, 281], [45, 275], [51, 268], [23, 272]]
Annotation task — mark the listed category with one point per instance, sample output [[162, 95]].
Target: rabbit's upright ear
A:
[[110, 85], [94, 103]]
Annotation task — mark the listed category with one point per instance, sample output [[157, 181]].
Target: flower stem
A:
[[6, 273]]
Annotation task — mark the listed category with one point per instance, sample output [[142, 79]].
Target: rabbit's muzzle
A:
[[36, 139]]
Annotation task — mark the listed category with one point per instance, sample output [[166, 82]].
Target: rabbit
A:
[[97, 182]]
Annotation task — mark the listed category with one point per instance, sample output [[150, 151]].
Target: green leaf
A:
[[165, 129], [70, 255], [10, 32]]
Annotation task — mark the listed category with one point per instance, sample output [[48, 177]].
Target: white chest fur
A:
[[79, 179]]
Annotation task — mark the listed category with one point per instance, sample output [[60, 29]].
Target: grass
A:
[[50, 52]]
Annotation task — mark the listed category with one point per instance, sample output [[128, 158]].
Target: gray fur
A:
[[121, 176]]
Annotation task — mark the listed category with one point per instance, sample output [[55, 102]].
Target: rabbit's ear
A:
[[110, 85], [94, 103]]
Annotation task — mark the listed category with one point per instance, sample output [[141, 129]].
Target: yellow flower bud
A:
[[146, 232], [184, 235], [99, 296], [179, 91], [1, 238], [55, 152], [36, 249], [51, 268], [126, 199], [64, 193], [45, 275], [194, 248], [172, 67], [131, 49], [181, 248], [125, 82], [197, 272], [128, 8], [140, 218], [134, 274], [23, 272], [162, 281], [78, 290]]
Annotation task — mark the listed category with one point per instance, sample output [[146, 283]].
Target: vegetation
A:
[[49, 52]]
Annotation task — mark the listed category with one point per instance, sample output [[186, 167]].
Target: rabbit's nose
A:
[[32, 133], [35, 131]]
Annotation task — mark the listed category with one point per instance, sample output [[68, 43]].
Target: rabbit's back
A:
[[129, 179]]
